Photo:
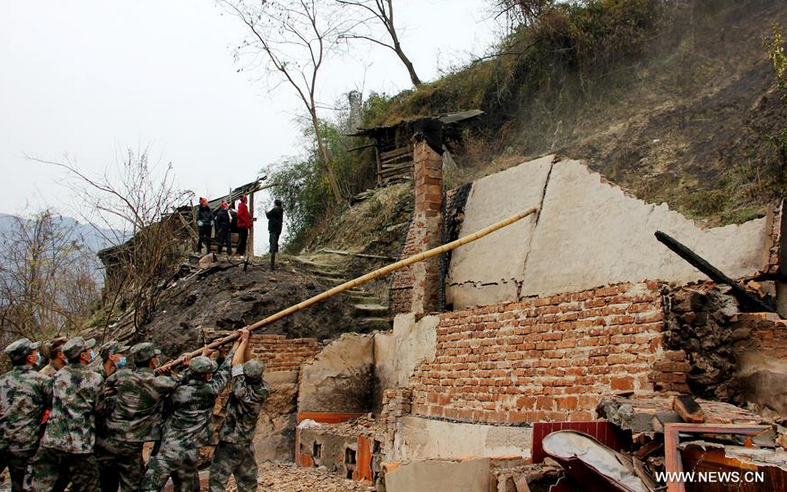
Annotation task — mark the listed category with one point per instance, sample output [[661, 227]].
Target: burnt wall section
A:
[[540, 359], [340, 378], [699, 326], [725, 355]]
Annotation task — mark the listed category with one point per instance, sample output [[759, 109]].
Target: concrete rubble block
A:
[[340, 378], [585, 217], [421, 438], [763, 381], [398, 353], [477, 276], [472, 475], [582, 217]]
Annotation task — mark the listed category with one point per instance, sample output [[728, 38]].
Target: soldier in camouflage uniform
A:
[[134, 399], [52, 349], [234, 454], [25, 394], [188, 428], [69, 438], [113, 358]]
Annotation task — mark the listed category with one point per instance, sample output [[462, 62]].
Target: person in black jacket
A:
[[204, 224], [275, 218], [223, 221]]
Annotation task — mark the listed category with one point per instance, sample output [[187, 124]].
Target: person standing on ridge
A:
[[275, 219], [204, 224], [244, 224], [223, 222]]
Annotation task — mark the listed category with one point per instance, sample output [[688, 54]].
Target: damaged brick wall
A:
[[543, 358], [699, 326], [400, 293], [283, 354]]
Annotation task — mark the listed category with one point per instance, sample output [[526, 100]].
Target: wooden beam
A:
[[748, 300]]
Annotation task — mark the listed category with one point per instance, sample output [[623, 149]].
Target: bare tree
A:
[[524, 11], [380, 12], [47, 277], [294, 38], [135, 205]]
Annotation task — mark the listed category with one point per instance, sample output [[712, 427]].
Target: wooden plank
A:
[[396, 153]]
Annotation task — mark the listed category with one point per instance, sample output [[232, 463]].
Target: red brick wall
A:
[[542, 359], [281, 353], [670, 373], [402, 282], [768, 334]]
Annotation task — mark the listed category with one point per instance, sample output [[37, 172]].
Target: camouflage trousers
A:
[[16, 462], [176, 462], [233, 459], [119, 464], [49, 464]]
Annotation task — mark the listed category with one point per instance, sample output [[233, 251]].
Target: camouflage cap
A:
[[21, 348], [74, 347], [112, 347], [202, 365], [253, 369], [144, 351], [52, 347]]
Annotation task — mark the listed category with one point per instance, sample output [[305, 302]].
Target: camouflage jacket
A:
[[49, 370], [99, 369], [25, 394], [136, 402], [243, 408], [72, 424], [189, 425]]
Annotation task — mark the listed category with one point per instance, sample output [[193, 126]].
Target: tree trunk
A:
[[408, 64], [326, 161]]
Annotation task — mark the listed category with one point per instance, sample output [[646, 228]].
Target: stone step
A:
[[366, 325], [370, 310]]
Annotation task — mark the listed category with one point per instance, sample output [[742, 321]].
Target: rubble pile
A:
[[275, 477]]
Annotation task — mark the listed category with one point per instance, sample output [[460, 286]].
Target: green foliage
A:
[[301, 182], [586, 38], [775, 47], [776, 53]]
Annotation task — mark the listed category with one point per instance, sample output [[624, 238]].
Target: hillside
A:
[[676, 102]]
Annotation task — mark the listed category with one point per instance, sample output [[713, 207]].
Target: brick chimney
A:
[[428, 216]]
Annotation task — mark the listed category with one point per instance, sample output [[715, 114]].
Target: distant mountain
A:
[[85, 234]]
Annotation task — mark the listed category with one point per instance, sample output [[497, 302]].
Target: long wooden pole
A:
[[358, 281]]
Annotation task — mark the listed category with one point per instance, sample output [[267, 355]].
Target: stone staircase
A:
[[369, 311]]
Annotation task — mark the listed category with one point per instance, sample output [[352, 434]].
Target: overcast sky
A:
[[89, 78]]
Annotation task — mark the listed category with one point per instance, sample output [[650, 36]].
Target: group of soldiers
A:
[[84, 420]]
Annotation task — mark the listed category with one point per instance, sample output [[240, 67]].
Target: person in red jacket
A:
[[244, 224]]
